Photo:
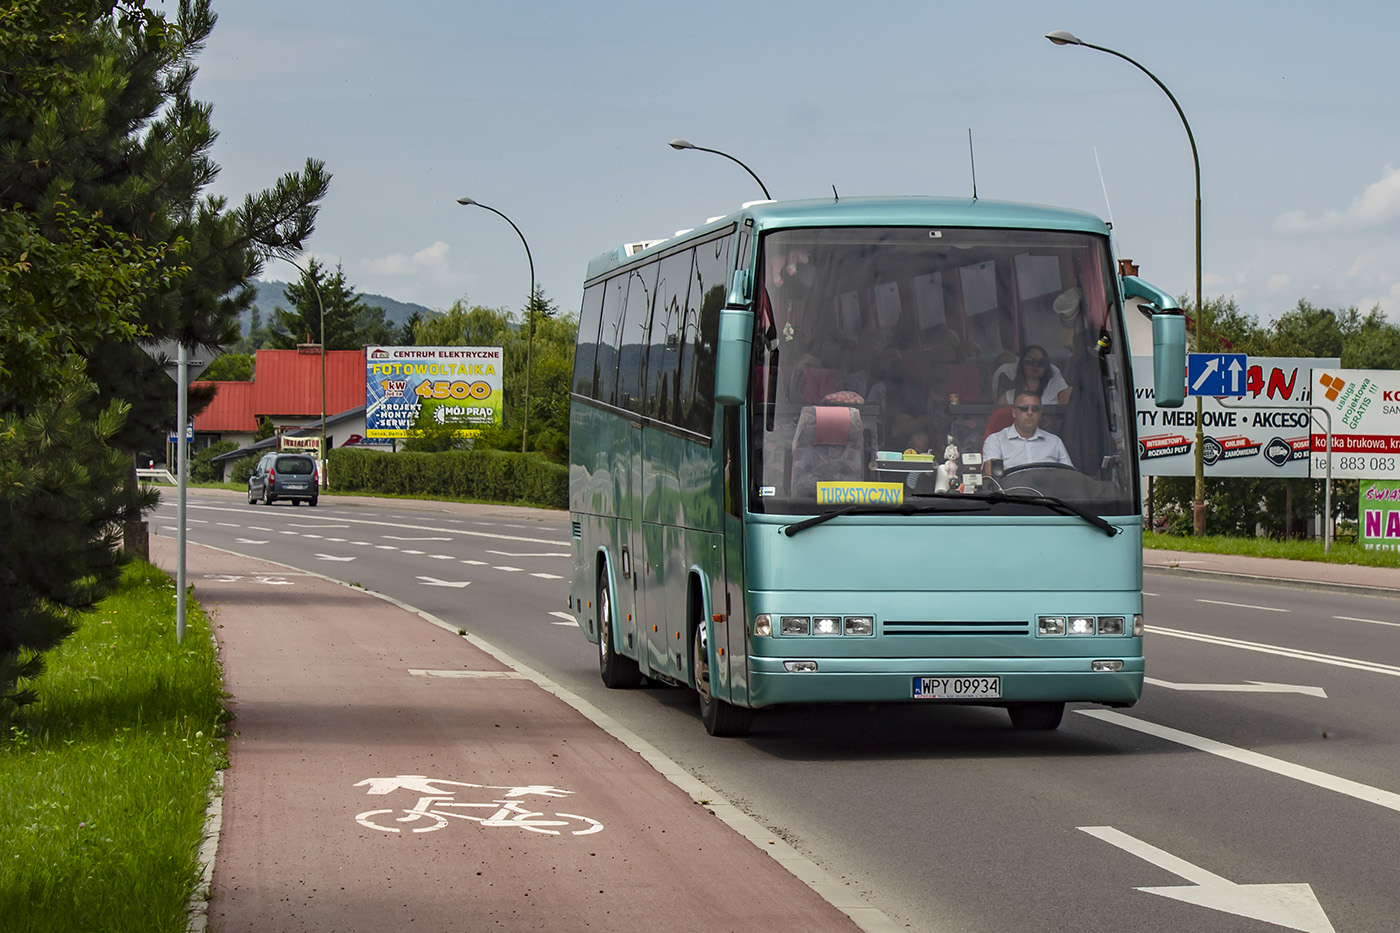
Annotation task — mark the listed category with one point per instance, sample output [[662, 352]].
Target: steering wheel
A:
[[1043, 465]]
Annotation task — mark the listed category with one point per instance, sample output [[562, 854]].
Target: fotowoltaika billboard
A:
[[456, 386], [1365, 409], [1272, 437]]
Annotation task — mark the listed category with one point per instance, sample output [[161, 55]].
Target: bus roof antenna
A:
[[834, 194], [972, 158]]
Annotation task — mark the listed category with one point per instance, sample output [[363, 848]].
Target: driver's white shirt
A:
[[1012, 449]]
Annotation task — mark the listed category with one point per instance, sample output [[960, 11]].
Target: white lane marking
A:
[[337, 540], [1372, 621], [410, 551], [333, 557], [197, 521], [1217, 602], [258, 528], [434, 581], [1287, 905], [442, 557], [321, 525], [475, 563], [361, 543], [510, 569], [547, 576], [298, 533], [386, 547], [405, 526], [569, 620], [469, 675], [1340, 785], [534, 554], [420, 538], [1253, 686], [1145, 593], [228, 524], [1374, 667], [305, 535]]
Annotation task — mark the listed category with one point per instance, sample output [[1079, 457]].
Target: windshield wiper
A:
[[904, 509], [1052, 503]]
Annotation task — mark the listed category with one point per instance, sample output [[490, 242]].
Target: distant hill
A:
[[272, 295]]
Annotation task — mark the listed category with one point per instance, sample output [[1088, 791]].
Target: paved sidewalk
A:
[[1381, 581], [389, 774]]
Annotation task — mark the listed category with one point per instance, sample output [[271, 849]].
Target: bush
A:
[[202, 467], [243, 468], [493, 475]]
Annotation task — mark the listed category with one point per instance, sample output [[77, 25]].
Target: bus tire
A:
[[720, 718], [1036, 717], [616, 670]]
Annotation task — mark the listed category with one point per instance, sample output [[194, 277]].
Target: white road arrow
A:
[[1253, 686], [333, 557], [1205, 375], [1286, 905], [434, 581], [1235, 370]]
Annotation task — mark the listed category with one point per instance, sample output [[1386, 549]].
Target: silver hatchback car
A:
[[284, 476]]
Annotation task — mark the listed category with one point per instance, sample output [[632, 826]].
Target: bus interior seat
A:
[[965, 381], [818, 383], [1000, 418], [829, 447]]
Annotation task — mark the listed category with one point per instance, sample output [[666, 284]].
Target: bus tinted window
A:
[[610, 337], [586, 355], [697, 377], [663, 358], [636, 323]]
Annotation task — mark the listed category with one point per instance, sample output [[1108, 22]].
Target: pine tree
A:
[[350, 323]]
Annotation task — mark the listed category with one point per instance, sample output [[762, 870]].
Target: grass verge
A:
[[103, 786], [1342, 552]]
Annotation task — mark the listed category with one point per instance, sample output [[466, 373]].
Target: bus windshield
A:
[[883, 353]]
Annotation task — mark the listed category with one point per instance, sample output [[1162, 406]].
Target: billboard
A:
[[1379, 515], [1365, 409], [455, 386], [1272, 437]]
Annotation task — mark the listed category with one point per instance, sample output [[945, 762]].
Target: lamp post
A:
[[315, 290], [1063, 37], [529, 314], [682, 144]]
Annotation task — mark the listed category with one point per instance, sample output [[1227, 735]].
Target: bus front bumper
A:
[[847, 680]]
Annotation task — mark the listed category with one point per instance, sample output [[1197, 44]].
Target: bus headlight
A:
[[859, 625], [826, 625], [763, 624], [1106, 666], [796, 625], [1050, 625], [1137, 625], [1080, 625]]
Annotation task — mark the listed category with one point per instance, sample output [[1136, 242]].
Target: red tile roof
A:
[[286, 384]]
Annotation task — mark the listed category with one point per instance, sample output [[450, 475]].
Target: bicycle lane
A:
[[386, 773]]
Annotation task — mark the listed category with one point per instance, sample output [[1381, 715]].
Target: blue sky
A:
[[558, 115]]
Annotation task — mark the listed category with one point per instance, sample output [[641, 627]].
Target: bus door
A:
[[728, 598]]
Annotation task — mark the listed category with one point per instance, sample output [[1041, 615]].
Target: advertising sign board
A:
[[455, 386], [1380, 515], [1365, 409], [1269, 438]]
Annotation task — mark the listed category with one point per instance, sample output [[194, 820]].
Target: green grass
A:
[[1342, 552], [104, 784]]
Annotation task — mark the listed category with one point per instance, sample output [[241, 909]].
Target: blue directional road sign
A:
[[1217, 374]]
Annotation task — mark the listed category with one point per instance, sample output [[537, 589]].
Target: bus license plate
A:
[[957, 688]]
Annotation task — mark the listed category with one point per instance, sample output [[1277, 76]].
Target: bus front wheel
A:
[[720, 718], [1038, 717], [616, 670]]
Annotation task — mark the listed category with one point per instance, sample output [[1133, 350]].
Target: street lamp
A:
[[315, 290], [1063, 37], [529, 313], [682, 144]]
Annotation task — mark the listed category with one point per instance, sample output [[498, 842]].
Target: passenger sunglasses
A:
[[1028, 408]]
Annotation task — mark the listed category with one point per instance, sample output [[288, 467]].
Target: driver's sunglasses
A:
[[1028, 408]]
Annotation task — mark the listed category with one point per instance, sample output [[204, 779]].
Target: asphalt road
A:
[[1254, 788]]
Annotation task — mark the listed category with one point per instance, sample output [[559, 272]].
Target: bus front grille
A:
[[954, 627]]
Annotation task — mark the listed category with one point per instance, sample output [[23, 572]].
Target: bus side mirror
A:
[[1169, 358], [735, 345], [740, 296]]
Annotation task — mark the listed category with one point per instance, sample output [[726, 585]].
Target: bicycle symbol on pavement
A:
[[436, 806]]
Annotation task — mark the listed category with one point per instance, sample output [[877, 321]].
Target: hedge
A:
[[494, 475]]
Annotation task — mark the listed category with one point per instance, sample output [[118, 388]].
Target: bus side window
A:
[[697, 375], [664, 358], [609, 338], [586, 357], [635, 336]]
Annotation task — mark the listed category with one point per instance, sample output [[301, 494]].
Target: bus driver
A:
[[1024, 441]]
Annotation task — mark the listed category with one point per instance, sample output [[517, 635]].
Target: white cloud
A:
[[1279, 281], [1377, 207], [430, 261]]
